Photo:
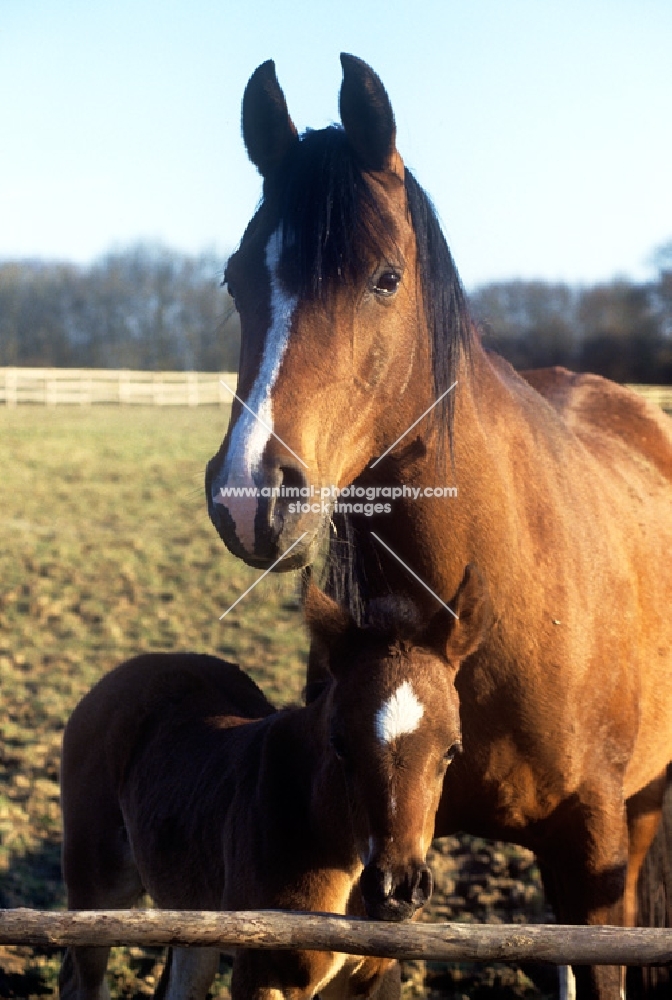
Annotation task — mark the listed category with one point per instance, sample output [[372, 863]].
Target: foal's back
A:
[[170, 706], [157, 691], [160, 771]]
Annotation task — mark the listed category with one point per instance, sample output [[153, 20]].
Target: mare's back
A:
[[600, 412]]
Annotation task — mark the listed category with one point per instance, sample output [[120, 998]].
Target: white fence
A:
[[91, 386], [661, 394]]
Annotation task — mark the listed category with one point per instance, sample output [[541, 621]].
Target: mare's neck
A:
[[438, 536]]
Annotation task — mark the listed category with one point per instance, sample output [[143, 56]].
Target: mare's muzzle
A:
[[395, 896], [260, 522]]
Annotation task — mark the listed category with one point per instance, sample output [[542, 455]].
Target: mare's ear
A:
[[457, 638], [367, 115], [328, 623], [268, 131]]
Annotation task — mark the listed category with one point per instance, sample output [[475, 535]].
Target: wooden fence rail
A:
[[92, 386], [95, 386], [445, 942]]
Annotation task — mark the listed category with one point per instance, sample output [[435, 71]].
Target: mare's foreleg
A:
[[644, 812], [644, 817], [584, 864]]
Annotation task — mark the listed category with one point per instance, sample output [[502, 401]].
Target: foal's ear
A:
[[268, 131], [367, 115], [457, 638], [328, 623]]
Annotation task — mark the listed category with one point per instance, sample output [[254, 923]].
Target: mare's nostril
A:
[[293, 478], [291, 484]]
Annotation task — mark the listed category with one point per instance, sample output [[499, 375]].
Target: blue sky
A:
[[541, 128]]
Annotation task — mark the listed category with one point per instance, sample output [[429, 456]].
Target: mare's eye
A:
[[450, 755], [387, 283]]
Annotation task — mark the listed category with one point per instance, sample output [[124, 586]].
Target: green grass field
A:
[[108, 550]]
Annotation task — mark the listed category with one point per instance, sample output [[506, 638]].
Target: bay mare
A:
[[180, 779], [354, 325]]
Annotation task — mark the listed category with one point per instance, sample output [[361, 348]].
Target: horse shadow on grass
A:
[[32, 879]]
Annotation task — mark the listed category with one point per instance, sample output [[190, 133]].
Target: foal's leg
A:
[[389, 987], [191, 972], [375, 979], [283, 975], [100, 874], [82, 974]]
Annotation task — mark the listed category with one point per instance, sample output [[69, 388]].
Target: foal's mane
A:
[[393, 618], [334, 229]]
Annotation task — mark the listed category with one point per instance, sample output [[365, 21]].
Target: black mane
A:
[[444, 301], [332, 225]]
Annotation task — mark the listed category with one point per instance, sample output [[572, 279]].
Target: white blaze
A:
[[400, 714], [250, 435]]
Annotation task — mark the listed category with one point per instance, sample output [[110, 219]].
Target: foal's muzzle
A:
[[396, 898]]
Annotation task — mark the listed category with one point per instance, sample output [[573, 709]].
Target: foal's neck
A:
[[299, 736], [303, 780]]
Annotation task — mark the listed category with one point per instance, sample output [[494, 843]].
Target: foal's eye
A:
[[337, 744], [450, 755], [387, 283]]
